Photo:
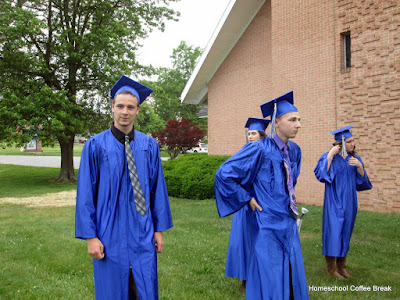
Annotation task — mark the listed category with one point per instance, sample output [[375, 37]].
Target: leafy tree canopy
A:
[[55, 57], [172, 81], [147, 121]]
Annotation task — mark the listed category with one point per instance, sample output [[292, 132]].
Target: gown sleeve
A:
[[297, 163], [85, 211], [234, 178], [321, 172], [362, 183], [159, 201]]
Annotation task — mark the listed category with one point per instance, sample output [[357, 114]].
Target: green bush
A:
[[191, 176]]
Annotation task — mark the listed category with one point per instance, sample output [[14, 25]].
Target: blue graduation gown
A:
[[342, 181], [239, 248], [105, 208], [257, 169]]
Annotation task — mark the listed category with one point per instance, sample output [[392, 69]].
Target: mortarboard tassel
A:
[[245, 133], [344, 152], [272, 131]]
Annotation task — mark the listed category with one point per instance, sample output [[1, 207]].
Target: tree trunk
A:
[[67, 172]]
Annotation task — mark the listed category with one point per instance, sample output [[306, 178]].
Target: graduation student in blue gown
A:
[[122, 237], [239, 248], [343, 173], [260, 175]]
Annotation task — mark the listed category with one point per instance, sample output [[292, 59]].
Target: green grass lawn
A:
[[52, 151], [47, 151], [22, 181], [40, 259]]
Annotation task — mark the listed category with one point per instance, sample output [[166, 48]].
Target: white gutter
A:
[[236, 18]]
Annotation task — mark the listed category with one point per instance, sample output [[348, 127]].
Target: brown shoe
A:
[[341, 267], [331, 267]]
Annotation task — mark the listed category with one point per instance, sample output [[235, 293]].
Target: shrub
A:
[[191, 176], [179, 136]]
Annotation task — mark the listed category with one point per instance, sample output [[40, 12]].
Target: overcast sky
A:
[[196, 25]]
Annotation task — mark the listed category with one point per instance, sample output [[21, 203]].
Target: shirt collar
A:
[[281, 144], [120, 136]]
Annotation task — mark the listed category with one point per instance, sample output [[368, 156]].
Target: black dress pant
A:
[[133, 294]]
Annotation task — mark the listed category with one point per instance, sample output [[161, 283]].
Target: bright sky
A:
[[197, 22]]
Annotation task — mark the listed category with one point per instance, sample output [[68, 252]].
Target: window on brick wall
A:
[[346, 43]]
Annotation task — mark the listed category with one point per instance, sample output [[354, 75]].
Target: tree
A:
[[172, 81], [179, 136], [57, 55], [147, 121]]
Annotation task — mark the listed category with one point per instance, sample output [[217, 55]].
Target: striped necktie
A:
[[289, 179], [137, 190]]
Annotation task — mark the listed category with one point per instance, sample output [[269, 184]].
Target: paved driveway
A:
[[36, 161]]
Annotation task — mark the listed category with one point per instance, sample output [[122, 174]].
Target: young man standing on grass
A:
[[122, 203], [263, 175], [343, 173]]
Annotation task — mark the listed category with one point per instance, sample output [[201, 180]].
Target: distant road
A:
[[36, 161], [40, 161]]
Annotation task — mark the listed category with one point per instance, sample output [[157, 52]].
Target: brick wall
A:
[[369, 95], [296, 45], [303, 61], [239, 87]]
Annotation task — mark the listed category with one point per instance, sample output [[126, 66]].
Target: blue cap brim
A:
[[257, 124]]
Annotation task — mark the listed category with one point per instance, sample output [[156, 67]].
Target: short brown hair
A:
[[127, 93]]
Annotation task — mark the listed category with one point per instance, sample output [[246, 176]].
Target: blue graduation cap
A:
[[342, 134], [257, 124], [140, 91], [277, 108]]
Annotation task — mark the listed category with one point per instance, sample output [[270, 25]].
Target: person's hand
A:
[[355, 162], [253, 205], [335, 150], [159, 241], [95, 248]]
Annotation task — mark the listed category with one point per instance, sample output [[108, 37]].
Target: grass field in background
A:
[[40, 259], [22, 181], [52, 151], [47, 151]]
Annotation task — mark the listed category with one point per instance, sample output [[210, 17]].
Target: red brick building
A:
[[342, 60]]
